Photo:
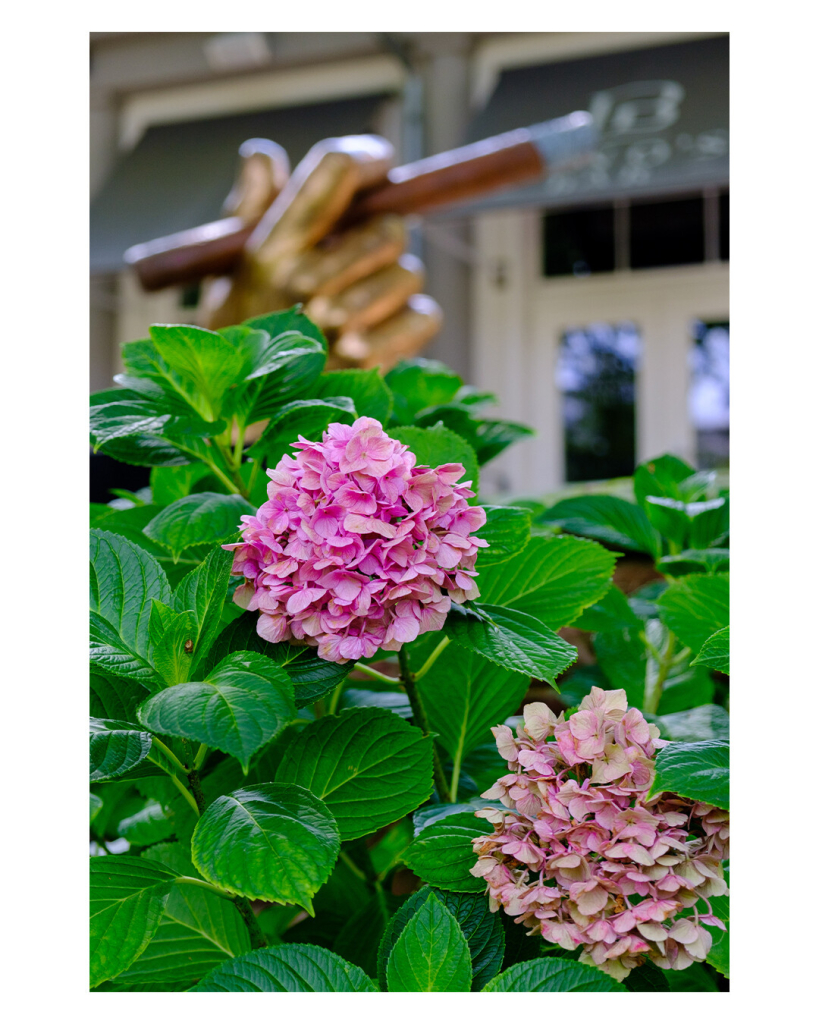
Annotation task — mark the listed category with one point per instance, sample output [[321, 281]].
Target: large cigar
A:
[[450, 178]]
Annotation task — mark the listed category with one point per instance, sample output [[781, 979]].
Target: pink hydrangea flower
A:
[[583, 857], [357, 548]]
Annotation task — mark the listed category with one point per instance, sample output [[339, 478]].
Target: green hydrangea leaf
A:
[[128, 897], [268, 842], [606, 518], [206, 518], [481, 928], [367, 765], [116, 747], [198, 931], [506, 530], [124, 580], [436, 446], [243, 704], [431, 953], [306, 417], [293, 967], [553, 974], [511, 639], [366, 388], [442, 853], [695, 607], [552, 578], [313, 677], [714, 653], [697, 771]]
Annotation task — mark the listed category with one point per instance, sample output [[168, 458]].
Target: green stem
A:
[[351, 864], [375, 674], [230, 484], [382, 901], [186, 793], [196, 789], [171, 756], [227, 456], [257, 939], [456, 775], [187, 880], [654, 690], [439, 650], [201, 754], [336, 697], [239, 447], [421, 720], [650, 647], [242, 904], [683, 654], [254, 472], [193, 777]]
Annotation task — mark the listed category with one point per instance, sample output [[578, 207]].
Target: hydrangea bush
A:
[[305, 632]]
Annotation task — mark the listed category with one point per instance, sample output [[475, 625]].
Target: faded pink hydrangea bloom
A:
[[583, 857], [357, 548]]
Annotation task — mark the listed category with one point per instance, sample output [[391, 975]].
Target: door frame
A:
[[521, 317]]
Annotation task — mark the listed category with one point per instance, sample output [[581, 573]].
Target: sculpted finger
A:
[[264, 170], [313, 200], [347, 257], [371, 300], [401, 336]]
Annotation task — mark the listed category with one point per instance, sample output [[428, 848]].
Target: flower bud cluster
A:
[[582, 856], [357, 548]]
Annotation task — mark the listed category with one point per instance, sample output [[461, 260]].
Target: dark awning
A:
[[178, 175], [662, 114]]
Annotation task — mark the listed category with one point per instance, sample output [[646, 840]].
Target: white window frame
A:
[[519, 321]]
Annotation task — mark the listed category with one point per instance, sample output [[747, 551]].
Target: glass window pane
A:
[[596, 374], [578, 242], [708, 393], [667, 234]]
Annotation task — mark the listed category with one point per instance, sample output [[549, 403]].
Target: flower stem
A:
[[230, 484], [254, 472], [238, 484], [351, 864], [375, 674], [439, 650], [421, 720], [171, 756], [654, 688], [187, 880], [242, 904], [201, 754], [453, 783], [193, 778], [652, 650], [257, 939], [239, 446], [186, 793], [331, 710]]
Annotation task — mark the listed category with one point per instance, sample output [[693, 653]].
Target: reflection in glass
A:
[[596, 375], [667, 234], [578, 242], [708, 393]]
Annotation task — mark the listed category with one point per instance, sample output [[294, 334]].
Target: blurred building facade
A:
[[595, 304]]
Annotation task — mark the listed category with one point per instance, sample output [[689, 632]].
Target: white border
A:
[[773, 482]]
